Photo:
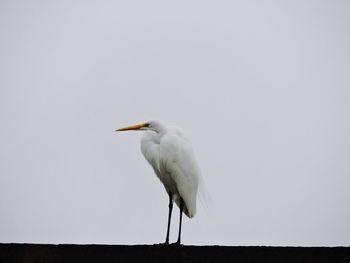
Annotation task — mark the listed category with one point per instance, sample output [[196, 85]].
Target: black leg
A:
[[181, 208], [169, 218]]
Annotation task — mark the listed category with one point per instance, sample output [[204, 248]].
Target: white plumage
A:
[[171, 156], [170, 153]]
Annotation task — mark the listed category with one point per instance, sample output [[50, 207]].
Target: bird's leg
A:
[[178, 242], [169, 218]]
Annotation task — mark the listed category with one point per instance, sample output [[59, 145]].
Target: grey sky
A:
[[261, 88]]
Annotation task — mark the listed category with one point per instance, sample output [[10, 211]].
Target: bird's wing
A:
[[177, 160]]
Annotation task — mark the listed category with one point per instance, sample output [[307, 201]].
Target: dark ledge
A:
[[156, 253]]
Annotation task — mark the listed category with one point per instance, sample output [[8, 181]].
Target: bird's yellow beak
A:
[[132, 127]]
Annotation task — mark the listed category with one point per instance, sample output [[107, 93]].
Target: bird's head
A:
[[155, 126]]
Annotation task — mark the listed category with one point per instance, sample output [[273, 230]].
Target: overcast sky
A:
[[262, 89]]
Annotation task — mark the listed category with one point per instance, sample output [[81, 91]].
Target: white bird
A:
[[170, 154]]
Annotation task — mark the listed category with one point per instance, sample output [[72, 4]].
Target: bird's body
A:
[[170, 154]]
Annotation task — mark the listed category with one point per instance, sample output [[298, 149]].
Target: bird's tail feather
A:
[[204, 196]]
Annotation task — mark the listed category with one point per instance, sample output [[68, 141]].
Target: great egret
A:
[[170, 154]]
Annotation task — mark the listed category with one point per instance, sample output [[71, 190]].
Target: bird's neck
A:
[[161, 129]]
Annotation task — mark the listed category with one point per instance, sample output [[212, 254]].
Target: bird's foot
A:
[[166, 243], [177, 243]]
